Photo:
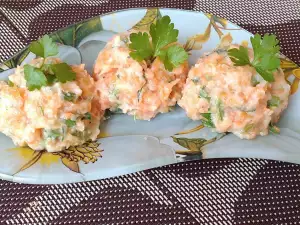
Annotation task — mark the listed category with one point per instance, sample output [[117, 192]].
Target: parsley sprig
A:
[[46, 74], [266, 59], [161, 44]]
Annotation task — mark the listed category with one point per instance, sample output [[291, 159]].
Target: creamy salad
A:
[[235, 98], [52, 118], [136, 88], [48, 104]]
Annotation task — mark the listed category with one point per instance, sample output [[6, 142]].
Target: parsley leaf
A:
[[34, 77], [266, 45], [159, 45], [266, 59], [267, 75], [47, 68], [269, 62], [63, 72], [173, 57], [47, 74], [44, 47], [51, 79], [141, 45], [162, 33], [37, 48], [239, 56]]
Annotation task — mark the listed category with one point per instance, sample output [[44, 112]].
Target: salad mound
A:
[[51, 117], [142, 89], [227, 91]]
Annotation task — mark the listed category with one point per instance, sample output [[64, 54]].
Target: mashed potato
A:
[[138, 89], [237, 98], [52, 118]]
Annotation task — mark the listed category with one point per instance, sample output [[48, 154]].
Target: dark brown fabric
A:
[[218, 191]]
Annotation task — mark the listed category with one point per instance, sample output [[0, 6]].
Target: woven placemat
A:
[[219, 191]]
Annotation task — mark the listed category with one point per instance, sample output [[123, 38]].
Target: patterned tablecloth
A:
[[222, 191]]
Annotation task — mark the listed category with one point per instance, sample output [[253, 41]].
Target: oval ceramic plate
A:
[[127, 145]]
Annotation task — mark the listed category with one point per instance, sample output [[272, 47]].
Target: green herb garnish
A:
[[273, 102], [266, 59], [63, 72], [140, 43], [35, 78], [51, 79], [44, 47], [248, 127], [79, 134], [115, 92], [139, 94], [204, 94], [274, 129], [69, 96], [46, 74], [42, 110], [87, 116], [207, 121], [162, 35], [173, 57], [53, 134], [220, 110], [10, 83], [70, 123]]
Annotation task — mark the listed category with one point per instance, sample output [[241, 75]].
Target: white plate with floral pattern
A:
[[126, 145]]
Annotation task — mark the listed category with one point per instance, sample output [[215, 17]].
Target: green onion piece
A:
[[115, 92], [274, 129], [10, 83], [204, 94], [274, 102], [52, 134], [70, 123], [87, 116], [78, 134], [220, 110], [248, 127], [207, 121], [69, 96], [139, 94]]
